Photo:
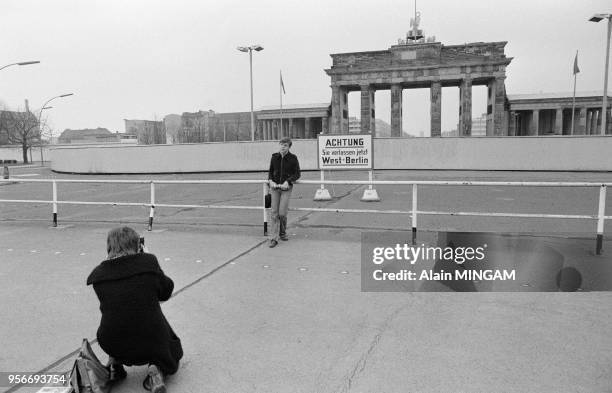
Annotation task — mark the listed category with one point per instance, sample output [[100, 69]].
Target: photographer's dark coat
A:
[[133, 328]]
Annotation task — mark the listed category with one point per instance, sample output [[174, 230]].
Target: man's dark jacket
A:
[[133, 328], [283, 169]]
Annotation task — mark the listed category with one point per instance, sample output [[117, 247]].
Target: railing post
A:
[[601, 219], [152, 211], [265, 208], [414, 213], [54, 203]]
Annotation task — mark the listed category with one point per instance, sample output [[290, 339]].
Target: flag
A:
[[281, 82], [576, 69]]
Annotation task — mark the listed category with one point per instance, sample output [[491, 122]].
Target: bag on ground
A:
[[88, 374]]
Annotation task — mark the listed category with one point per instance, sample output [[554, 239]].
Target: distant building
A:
[[195, 127], [383, 129], [479, 125], [148, 132], [87, 135], [172, 124], [354, 125], [233, 126]]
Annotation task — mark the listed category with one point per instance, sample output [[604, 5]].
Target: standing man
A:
[[284, 171]]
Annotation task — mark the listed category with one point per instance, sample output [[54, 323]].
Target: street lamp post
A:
[[597, 18], [250, 50], [42, 161], [22, 63]]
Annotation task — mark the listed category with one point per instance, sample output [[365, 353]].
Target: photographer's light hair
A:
[[122, 241], [285, 140]]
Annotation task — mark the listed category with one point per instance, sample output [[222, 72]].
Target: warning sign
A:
[[345, 152]]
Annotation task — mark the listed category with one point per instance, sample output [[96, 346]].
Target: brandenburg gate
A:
[[420, 63]]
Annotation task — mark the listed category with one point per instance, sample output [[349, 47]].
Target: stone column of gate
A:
[[368, 125], [269, 130], [581, 129], [465, 107], [396, 110], [589, 122], [436, 109], [534, 127], [498, 107], [338, 108], [558, 121]]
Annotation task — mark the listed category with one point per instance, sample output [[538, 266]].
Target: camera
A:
[[141, 244]]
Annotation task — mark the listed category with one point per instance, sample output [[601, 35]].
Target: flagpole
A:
[[280, 91], [574, 96]]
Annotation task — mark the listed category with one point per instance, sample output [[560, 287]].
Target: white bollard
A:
[[370, 194]]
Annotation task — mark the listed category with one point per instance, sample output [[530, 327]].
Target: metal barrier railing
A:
[[413, 212]]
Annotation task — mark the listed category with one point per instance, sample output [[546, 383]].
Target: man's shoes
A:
[[116, 372], [154, 382], [283, 236], [272, 243]]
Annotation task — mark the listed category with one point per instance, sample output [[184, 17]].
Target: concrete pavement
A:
[[293, 319]]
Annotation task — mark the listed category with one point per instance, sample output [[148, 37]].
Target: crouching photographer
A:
[[133, 330]]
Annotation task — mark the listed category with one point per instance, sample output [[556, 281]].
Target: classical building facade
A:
[[551, 114], [298, 121]]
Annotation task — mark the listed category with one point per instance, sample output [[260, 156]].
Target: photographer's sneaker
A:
[[272, 243], [154, 382]]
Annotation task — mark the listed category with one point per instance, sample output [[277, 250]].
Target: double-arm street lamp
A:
[[42, 162], [250, 49], [598, 18], [20, 64]]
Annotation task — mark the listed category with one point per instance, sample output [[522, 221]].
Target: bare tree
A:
[[20, 128]]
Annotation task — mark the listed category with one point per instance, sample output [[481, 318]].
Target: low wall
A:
[[15, 153], [558, 153]]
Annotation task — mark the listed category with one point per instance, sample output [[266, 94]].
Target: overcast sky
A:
[[144, 59]]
